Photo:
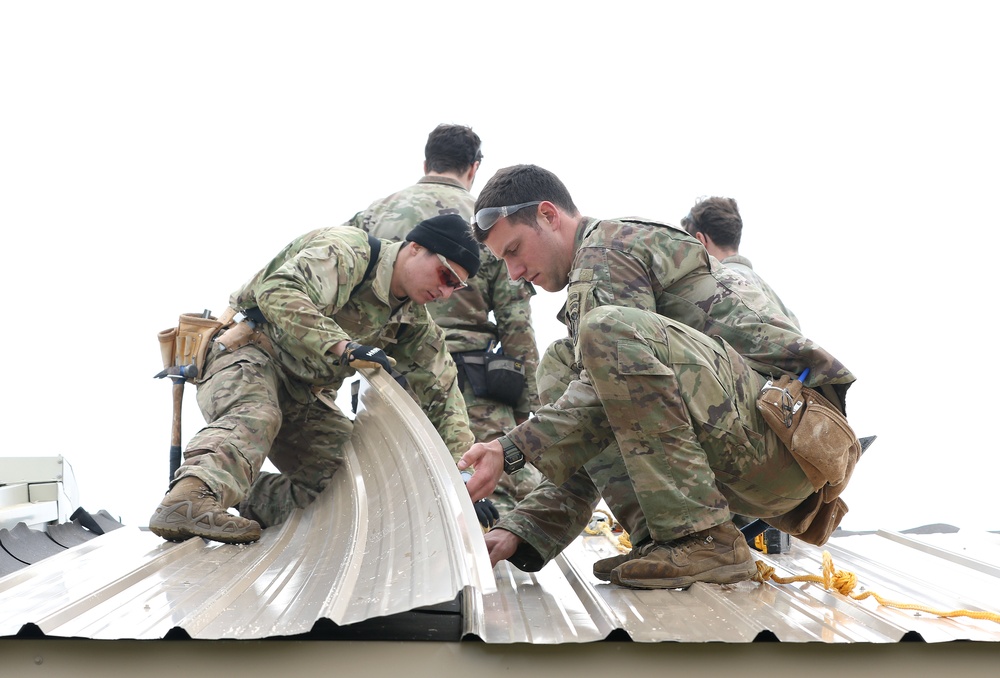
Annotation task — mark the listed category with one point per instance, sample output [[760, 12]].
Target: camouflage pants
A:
[[689, 443], [604, 475], [489, 420], [251, 417]]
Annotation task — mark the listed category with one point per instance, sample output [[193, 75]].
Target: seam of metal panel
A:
[[336, 604], [243, 580]]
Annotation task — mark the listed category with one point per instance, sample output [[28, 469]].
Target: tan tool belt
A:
[[243, 333], [824, 445], [189, 342]]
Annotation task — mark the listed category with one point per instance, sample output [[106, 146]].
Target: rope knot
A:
[[764, 572]]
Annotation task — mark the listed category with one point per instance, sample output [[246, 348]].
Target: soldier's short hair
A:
[[718, 218], [452, 148], [519, 184]]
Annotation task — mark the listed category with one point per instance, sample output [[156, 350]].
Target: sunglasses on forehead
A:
[[448, 276], [487, 217]]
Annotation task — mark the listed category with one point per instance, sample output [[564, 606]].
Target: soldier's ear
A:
[[548, 213]]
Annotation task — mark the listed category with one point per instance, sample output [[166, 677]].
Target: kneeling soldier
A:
[[332, 300]]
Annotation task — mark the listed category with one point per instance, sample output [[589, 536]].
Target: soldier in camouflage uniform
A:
[[717, 224], [651, 402], [451, 159], [323, 311]]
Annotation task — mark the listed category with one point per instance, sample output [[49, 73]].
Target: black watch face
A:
[[513, 462]]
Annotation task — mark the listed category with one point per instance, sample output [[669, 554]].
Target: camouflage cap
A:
[[450, 236]]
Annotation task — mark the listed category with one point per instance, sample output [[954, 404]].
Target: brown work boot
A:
[[604, 566], [190, 509], [718, 555]]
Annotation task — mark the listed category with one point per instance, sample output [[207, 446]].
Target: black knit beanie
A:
[[450, 236]]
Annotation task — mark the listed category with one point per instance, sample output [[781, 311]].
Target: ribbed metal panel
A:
[[564, 603], [395, 531]]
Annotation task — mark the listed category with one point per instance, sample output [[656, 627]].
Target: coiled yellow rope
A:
[[843, 582], [598, 525]]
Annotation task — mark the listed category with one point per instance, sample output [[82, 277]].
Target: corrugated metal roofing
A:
[[565, 603], [392, 550]]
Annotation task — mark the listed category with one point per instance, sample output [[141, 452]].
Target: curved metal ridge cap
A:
[[420, 488], [390, 534]]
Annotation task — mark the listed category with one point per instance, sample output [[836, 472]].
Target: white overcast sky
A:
[[155, 155]]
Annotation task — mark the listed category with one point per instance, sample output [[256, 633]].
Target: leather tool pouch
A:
[[238, 335], [492, 375], [194, 337], [818, 436], [167, 339]]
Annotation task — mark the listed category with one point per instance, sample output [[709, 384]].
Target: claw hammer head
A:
[[178, 372]]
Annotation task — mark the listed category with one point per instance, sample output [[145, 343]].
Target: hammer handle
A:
[[175, 429]]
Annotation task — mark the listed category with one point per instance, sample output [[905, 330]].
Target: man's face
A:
[[428, 278], [537, 255]]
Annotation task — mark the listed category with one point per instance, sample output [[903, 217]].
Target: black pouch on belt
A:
[[492, 375], [504, 377]]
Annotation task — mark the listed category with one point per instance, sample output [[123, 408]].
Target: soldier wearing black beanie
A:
[[450, 236]]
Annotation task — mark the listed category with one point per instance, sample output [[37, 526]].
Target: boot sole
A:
[[730, 574], [183, 534]]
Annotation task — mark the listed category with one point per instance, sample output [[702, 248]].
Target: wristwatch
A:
[[513, 458]]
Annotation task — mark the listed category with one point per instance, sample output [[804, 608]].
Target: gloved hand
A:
[[486, 512], [358, 355]]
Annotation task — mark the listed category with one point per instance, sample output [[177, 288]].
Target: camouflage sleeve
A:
[[512, 310], [300, 296], [423, 359], [549, 519]]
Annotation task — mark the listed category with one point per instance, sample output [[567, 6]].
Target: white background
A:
[[153, 156]]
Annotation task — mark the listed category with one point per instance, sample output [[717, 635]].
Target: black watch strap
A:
[[513, 458]]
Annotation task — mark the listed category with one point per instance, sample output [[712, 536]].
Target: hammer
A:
[[179, 374]]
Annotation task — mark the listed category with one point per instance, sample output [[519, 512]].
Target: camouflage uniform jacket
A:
[[742, 265], [465, 315], [661, 269], [307, 296]]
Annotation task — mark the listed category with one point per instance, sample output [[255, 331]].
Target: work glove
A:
[[486, 512], [358, 355]]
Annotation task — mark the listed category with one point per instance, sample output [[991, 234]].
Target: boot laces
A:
[[691, 542], [205, 493]]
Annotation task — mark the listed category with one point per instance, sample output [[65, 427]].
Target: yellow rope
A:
[[844, 582], [607, 529]]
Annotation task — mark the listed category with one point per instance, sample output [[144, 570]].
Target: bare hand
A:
[[501, 544], [487, 459]]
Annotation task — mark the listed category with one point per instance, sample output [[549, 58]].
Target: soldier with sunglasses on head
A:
[[653, 400]]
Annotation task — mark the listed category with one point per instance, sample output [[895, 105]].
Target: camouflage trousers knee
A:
[[251, 417], [605, 475]]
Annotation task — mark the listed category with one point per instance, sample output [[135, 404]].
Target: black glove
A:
[[486, 512], [358, 355]]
